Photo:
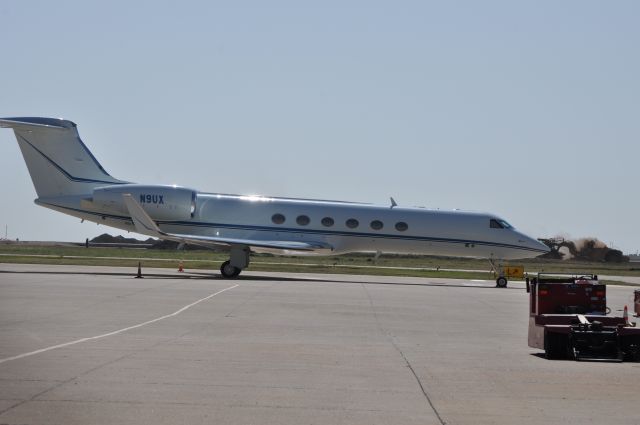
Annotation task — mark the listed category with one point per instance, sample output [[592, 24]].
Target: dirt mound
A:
[[585, 249]]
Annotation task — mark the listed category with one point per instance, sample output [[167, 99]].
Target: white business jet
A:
[[69, 179]]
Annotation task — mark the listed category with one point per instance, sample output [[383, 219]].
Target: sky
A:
[[530, 110]]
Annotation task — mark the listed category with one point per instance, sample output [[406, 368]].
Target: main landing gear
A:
[[239, 261], [228, 271]]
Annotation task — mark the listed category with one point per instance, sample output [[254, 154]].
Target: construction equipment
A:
[[587, 249], [568, 320]]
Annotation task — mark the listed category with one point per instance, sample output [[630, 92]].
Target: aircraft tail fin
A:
[[58, 162]]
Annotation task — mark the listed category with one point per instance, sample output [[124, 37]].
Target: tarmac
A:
[[93, 345]]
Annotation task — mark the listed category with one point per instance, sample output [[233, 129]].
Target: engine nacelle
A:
[[160, 202]]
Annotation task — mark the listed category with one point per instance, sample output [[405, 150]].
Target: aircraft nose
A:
[[533, 244], [539, 245]]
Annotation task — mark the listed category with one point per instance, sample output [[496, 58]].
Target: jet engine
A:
[[160, 202]]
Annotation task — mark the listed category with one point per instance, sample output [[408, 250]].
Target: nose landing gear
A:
[[501, 282], [503, 272]]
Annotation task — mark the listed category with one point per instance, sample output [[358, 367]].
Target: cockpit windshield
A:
[[499, 224], [505, 224]]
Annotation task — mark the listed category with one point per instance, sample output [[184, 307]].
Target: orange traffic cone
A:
[[180, 267]]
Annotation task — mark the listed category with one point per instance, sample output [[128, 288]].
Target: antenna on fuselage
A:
[[393, 202]]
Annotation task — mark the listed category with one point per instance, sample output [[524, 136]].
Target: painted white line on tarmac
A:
[[139, 325]]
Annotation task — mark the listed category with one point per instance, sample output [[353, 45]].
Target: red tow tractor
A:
[[568, 320]]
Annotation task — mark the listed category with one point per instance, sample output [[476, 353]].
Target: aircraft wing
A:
[[281, 245], [146, 226]]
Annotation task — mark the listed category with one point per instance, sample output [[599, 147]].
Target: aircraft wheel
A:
[[501, 282], [228, 271]]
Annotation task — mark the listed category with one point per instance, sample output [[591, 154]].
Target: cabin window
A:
[[376, 225], [352, 223], [277, 218], [401, 226], [327, 222], [495, 224], [302, 220]]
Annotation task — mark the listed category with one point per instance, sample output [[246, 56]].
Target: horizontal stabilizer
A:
[[35, 122]]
